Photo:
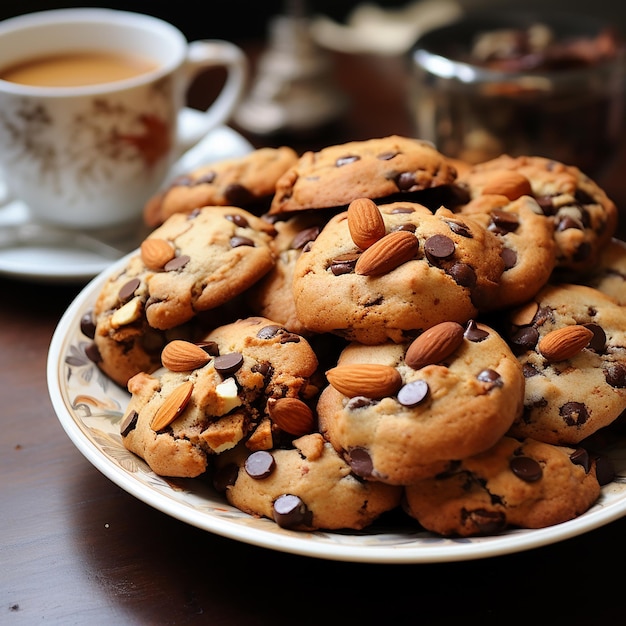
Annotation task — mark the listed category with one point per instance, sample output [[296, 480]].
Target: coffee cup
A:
[[92, 110]]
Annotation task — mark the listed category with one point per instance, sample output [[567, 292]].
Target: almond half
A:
[[291, 415], [387, 253], [365, 222], [183, 356], [155, 253], [508, 183], [434, 345], [172, 407], [564, 343], [371, 380]]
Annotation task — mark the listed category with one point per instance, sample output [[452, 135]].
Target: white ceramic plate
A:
[[42, 254], [90, 407]]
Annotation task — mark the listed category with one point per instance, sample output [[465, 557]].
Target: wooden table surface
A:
[[77, 549]]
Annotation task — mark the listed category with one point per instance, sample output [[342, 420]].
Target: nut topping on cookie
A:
[[508, 183], [183, 356], [387, 253], [291, 415], [365, 222], [564, 343], [156, 253], [172, 407], [367, 379], [434, 345]]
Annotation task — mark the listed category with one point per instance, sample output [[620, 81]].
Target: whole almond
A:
[[183, 356], [564, 343], [155, 252], [291, 415], [365, 222], [172, 407], [434, 345], [371, 380], [387, 253], [508, 183]]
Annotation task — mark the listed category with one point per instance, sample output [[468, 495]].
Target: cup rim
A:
[[59, 17]]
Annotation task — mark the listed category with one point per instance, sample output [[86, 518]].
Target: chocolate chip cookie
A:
[[571, 343], [304, 487], [402, 412], [374, 168], [247, 182], [523, 484], [584, 217], [387, 272], [248, 382]]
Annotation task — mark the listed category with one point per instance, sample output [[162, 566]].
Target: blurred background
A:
[[246, 19]]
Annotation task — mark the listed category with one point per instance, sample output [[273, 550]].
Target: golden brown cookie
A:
[[248, 182], [523, 484], [375, 168]]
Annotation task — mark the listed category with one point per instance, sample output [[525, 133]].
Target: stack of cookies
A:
[[374, 327]]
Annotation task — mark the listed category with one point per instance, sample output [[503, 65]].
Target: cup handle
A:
[[201, 55]]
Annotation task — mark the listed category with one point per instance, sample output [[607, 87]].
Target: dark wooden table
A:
[[77, 549]]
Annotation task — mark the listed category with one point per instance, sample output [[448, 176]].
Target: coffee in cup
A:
[[92, 110]]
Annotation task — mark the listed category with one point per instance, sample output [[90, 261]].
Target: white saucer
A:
[[29, 251]]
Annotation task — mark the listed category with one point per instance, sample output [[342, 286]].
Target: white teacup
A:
[[88, 156]]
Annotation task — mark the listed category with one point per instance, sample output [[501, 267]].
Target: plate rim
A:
[[293, 542]]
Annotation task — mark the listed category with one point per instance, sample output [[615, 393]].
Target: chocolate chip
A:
[[127, 291], [409, 228], [580, 456], [93, 353], [346, 160], [509, 257], [405, 181], [615, 375], [487, 522], [228, 364], [238, 195], [88, 324], [305, 236], [462, 274], [210, 347], [529, 370], [459, 228], [598, 341], [237, 219], [238, 240], [474, 333], [177, 263], [344, 263], [491, 377], [359, 402], [525, 338], [269, 332], [290, 511], [605, 472], [574, 413], [387, 156], [526, 468], [504, 221], [567, 222], [259, 464], [413, 393], [129, 423], [261, 368], [225, 477], [360, 462], [546, 204], [439, 247], [402, 209]]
